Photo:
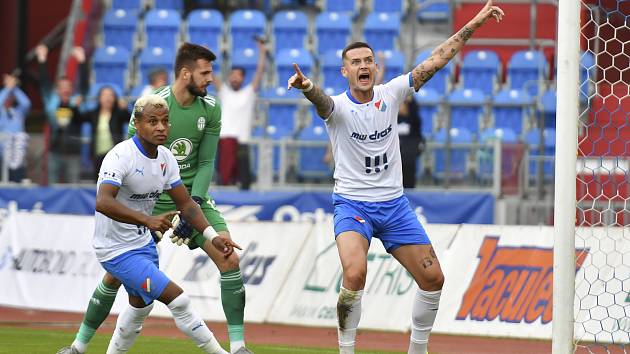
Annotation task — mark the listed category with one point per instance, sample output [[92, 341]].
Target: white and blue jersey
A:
[[141, 180], [368, 193]]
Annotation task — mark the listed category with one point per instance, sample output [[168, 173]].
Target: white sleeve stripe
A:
[[108, 181]]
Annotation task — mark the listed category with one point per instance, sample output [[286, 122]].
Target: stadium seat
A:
[[459, 155], [486, 154], [532, 139], [177, 5], [347, 7], [429, 102], [285, 60], [381, 30], [467, 109], [510, 109], [153, 58], [440, 81], [126, 4], [333, 31], [548, 108], [247, 58], [110, 65], [481, 70], [388, 6], [244, 26], [162, 28], [119, 27], [311, 158], [433, 11], [282, 114], [205, 27], [330, 66], [394, 64], [290, 29], [526, 70]]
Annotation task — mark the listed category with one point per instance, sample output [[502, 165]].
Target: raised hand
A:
[[298, 80], [79, 54], [489, 11], [161, 222], [41, 51]]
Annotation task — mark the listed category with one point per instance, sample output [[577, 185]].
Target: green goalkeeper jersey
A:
[[193, 139]]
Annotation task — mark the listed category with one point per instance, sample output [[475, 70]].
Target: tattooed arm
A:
[[447, 50], [322, 102]]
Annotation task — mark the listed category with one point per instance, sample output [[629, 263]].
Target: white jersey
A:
[[141, 181], [365, 142]]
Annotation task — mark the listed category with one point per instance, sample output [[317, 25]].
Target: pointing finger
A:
[[298, 71]]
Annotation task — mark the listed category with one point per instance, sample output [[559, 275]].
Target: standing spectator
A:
[[108, 121], [237, 105], [157, 78], [411, 140], [64, 119], [14, 105]]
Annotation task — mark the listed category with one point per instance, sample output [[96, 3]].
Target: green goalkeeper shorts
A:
[[210, 211]]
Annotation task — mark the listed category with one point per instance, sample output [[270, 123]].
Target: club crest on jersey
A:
[[181, 148], [201, 123], [163, 167], [380, 105]]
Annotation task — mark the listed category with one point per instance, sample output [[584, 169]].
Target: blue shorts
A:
[[392, 221], [139, 272]]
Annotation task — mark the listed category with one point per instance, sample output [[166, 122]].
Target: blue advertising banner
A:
[[432, 207]]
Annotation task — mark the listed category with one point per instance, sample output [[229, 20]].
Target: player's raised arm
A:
[[323, 103], [447, 50]]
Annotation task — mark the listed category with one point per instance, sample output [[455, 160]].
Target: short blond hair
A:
[[148, 100]]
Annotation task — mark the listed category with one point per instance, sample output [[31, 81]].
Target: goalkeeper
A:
[[195, 119]]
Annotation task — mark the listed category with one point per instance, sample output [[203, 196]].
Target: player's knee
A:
[[228, 264], [433, 281], [179, 304], [354, 278], [111, 282]]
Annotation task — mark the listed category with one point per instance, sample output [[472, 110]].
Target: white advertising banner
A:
[[309, 297]]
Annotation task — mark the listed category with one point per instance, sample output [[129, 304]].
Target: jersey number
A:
[[375, 163]]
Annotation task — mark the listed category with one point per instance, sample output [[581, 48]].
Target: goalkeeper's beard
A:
[[195, 90]]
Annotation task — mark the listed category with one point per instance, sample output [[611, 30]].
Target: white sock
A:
[[425, 305], [348, 316], [79, 346], [193, 326], [128, 328], [236, 345]]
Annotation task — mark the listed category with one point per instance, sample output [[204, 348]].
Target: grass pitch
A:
[[40, 341]]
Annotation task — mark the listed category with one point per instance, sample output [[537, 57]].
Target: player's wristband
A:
[[210, 233], [309, 87]]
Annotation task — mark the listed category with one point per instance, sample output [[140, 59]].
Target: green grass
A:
[[36, 341]]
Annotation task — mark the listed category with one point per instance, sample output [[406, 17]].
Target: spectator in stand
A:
[[64, 118], [14, 105], [157, 78], [108, 119], [237, 106], [411, 140]]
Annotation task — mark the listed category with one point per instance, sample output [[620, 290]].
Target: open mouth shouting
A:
[[364, 78]]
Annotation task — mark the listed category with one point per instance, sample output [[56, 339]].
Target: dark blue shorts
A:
[[392, 221], [139, 272]]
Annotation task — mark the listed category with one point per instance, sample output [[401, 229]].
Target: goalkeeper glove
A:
[[182, 230]]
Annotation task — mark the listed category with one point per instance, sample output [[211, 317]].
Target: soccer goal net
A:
[[601, 307]]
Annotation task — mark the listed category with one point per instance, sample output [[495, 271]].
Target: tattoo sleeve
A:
[[441, 56], [322, 102]]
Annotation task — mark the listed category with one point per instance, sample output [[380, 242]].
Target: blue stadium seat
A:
[[162, 28], [126, 4], [433, 11], [510, 109], [480, 70], [333, 31], [244, 26], [548, 108], [119, 27], [388, 6], [467, 109], [285, 60], [532, 139], [429, 102], [347, 7], [394, 64], [440, 81], [459, 155], [331, 69], [110, 65], [153, 58], [311, 158], [177, 5], [247, 58], [526, 70], [205, 27], [290, 29], [381, 30], [282, 115]]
